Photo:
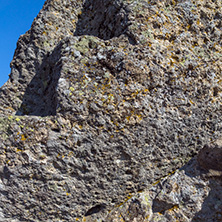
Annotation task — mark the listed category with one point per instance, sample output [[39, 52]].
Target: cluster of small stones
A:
[[106, 99]]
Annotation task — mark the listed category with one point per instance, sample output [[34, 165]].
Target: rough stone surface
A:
[[107, 98], [183, 196]]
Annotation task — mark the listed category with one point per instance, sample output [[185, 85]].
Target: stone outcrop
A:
[[107, 106]]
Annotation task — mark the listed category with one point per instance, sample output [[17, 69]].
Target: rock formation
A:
[[106, 107]]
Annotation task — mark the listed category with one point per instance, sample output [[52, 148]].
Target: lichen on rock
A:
[[107, 105]]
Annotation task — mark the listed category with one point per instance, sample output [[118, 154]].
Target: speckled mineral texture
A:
[[182, 196], [104, 100]]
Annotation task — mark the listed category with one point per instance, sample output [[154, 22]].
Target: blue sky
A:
[[16, 17]]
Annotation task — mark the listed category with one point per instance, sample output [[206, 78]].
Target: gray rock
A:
[[106, 104]]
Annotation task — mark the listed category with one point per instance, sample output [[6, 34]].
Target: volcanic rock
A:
[[106, 107]]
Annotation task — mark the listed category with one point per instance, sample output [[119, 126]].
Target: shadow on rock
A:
[[207, 164], [104, 19], [210, 161], [40, 97], [212, 207]]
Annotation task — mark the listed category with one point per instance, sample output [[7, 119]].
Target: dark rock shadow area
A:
[[210, 161], [40, 97], [104, 19], [212, 207], [208, 165]]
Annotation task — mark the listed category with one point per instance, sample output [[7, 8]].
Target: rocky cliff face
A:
[[106, 107]]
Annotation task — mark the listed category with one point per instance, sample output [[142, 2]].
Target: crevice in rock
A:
[[161, 206], [95, 209]]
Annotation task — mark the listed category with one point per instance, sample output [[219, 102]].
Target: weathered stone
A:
[[107, 98], [183, 196]]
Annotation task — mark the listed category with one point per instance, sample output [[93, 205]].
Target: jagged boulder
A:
[[104, 99]]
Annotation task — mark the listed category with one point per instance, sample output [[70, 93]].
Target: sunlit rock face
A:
[[107, 105]]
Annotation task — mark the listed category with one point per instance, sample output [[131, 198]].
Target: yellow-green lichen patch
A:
[[5, 128], [87, 42]]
